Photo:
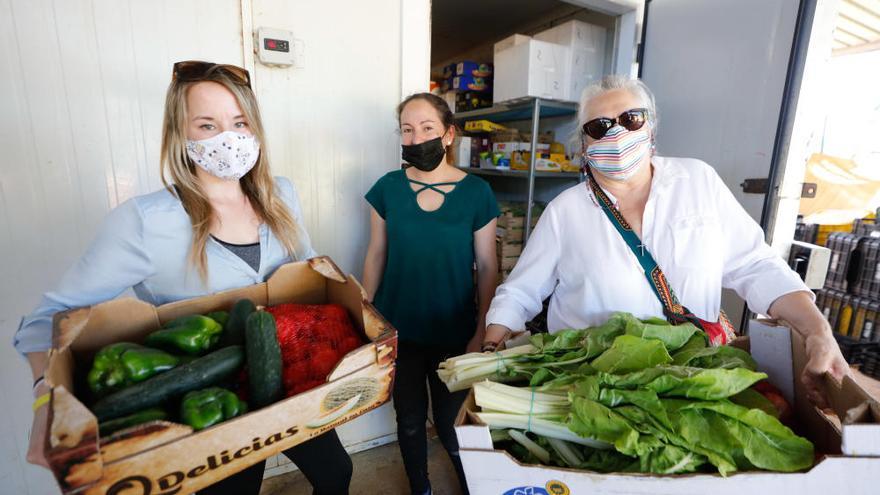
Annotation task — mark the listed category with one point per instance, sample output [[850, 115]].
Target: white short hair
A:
[[612, 82]]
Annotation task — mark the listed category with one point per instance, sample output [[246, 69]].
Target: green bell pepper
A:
[[220, 317], [119, 365], [151, 414], [203, 408], [193, 335]]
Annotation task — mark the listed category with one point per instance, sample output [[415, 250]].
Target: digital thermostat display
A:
[[276, 45]]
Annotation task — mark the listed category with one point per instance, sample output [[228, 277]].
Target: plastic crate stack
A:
[[850, 299]]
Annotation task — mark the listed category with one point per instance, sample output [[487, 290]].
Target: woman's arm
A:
[[114, 262], [374, 262], [522, 295], [36, 454], [823, 353], [487, 277]]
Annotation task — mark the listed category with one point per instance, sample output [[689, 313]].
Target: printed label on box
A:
[[553, 487]]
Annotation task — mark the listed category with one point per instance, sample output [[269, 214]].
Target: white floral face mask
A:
[[228, 155]]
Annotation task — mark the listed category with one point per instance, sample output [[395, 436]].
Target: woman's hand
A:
[[474, 345], [823, 353], [823, 356], [495, 337], [36, 453]]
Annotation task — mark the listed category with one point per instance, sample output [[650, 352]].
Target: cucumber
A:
[[233, 330], [263, 358], [194, 375], [151, 414]]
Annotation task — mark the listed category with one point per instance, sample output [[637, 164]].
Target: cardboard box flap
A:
[[72, 443], [326, 267], [296, 282], [72, 327]]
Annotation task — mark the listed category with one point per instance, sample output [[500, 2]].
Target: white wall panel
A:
[[331, 125], [82, 86]]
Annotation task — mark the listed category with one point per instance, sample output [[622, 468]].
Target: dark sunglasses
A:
[[631, 120], [197, 70]]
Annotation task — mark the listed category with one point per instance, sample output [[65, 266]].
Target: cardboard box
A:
[[586, 59], [467, 68], [468, 83], [509, 147], [514, 39], [508, 249], [531, 69], [852, 467], [165, 457]]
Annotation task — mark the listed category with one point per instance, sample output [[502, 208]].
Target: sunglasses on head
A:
[[197, 70], [631, 120]]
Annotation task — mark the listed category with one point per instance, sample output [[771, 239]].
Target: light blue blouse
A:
[[144, 244]]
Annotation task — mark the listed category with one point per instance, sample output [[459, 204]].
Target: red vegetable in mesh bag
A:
[[313, 339]]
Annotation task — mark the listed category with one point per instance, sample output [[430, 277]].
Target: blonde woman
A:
[[221, 222]]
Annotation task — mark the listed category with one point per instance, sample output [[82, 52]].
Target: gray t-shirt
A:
[[250, 253]]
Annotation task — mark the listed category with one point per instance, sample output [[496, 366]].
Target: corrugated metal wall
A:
[[82, 86]]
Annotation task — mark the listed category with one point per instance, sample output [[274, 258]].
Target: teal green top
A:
[[427, 290]]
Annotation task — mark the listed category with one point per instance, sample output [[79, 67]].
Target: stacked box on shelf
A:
[[509, 234], [824, 231], [863, 355], [836, 306], [806, 232], [865, 319], [866, 279], [842, 246], [867, 227]]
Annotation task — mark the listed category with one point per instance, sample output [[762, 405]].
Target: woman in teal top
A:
[[431, 223]]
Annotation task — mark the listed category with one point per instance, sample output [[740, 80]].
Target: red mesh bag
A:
[[313, 339]]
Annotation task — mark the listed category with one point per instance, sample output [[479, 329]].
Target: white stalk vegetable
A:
[[539, 426], [539, 452], [572, 457]]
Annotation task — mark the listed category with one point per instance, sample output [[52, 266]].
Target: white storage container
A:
[[514, 39], [586, 60], [533, 68]]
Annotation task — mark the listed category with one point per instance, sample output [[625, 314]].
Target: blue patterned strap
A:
[[718, 333]]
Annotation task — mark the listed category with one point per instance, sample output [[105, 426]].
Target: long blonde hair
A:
[[258, 184]]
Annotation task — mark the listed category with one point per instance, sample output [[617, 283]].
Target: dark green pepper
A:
[[119, 365], [220, 317], [151, 414], [193, 335], [203, 408]]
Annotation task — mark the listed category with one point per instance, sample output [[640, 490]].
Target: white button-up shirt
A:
[[694, 228]]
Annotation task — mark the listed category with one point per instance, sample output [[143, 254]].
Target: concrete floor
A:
[[377, 471]]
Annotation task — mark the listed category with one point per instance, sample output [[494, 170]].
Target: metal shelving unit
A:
[[523, 174], [533, 109]]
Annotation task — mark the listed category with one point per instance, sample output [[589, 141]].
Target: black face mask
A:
[[424, 156]]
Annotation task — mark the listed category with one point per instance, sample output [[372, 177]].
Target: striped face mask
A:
[[619, 153]]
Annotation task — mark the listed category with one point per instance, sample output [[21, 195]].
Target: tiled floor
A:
[[376, 471]]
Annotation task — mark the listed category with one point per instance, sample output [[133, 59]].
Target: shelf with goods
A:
[[532, 110], [850, 299]]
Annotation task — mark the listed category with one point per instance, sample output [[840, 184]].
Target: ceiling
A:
[[857, 28], [459, 25]]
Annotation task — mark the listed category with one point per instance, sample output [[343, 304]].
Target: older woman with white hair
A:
[[652, 236]]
